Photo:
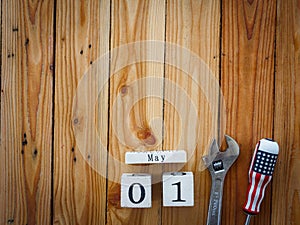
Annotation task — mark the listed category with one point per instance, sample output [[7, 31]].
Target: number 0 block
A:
[[136, 190], [178, 189]]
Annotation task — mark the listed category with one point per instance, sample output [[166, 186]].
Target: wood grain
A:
[[46, 50], [82, 36], [194, 25], [134, 21], [247, 79], [26, 112], [286, 183]]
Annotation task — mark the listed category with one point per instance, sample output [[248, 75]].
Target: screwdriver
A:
[[260, 174]]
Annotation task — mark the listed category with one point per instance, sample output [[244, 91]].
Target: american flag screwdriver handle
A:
[[260, 174]]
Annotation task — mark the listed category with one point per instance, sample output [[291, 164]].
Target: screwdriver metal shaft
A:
[[248, 219]]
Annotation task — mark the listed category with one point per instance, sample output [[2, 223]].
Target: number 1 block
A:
[[136, 190], [178, 189]]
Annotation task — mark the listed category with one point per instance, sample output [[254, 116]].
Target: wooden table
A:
[[252, 49]]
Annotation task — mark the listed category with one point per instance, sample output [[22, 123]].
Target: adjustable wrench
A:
[[218, 163]]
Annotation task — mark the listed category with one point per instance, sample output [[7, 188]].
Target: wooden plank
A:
[[82, 36], [134, 21], [194, 25], [286, 185], [26, 112], [248, 29]]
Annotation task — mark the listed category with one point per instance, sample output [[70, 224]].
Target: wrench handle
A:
[[215, 204]]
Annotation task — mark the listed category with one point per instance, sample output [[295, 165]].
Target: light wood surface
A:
[[82, 35], [51, 171], [134, 21], [247, 80], [286, 184], [194, 25], [26, 112]]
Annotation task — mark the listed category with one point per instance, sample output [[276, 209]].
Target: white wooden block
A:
[[174, 156], [136, 190], [178, 189]]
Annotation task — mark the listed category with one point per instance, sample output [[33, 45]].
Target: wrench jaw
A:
[[217, 161], [232, 147], [231, 153], [213, 152]]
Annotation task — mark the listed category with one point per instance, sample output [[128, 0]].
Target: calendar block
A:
[[136, 190], [178, 189], [174, 156]]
